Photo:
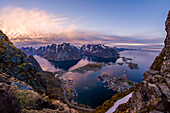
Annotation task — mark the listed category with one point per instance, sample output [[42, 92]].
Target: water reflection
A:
[[65, 65], [96, 93], [45, 64], [92, 92], [73, 64]]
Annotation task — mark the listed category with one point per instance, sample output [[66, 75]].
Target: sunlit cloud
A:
[[34, 27], [19, 22]]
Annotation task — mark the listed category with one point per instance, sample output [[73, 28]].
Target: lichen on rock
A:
[[14, 62]]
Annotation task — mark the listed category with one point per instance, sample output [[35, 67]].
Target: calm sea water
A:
[[92, 92]]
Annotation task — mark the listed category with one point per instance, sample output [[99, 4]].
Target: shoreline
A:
[[77, 107]]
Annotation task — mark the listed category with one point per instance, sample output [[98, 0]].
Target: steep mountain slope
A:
[[14, 62], [24, 86], [153, 94], [61, 52], [68, 52], [32, 60]]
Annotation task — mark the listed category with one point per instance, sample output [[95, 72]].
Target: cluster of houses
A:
[[69, 89], [119, 84]]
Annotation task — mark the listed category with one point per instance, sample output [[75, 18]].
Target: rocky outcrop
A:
[[18, 97], [167, 40], [32, 60], [8, 102], [24, 87], [153, 94], [14, 62]]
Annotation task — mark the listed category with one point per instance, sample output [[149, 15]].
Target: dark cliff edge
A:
[[24, 86], [32, 60], [153, 94], [14, 62]]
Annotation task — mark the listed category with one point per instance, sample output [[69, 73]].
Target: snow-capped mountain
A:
[[67, 51], [99, 50]]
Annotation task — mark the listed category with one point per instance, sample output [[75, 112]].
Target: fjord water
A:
[[92, 92]]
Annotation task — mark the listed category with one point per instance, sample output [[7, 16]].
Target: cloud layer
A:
[[33, 27], [17, 22]]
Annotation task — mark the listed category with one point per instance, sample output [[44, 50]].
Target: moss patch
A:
[[158, 61]]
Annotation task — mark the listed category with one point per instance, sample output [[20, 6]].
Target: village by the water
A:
[[119, 84], [115, 83]]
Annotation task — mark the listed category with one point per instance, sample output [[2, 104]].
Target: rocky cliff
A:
[[24, 86], [32, 60], [18, 97], [153, 94], [14, 62]]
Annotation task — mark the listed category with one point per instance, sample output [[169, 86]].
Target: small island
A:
[[89, 67], [133, 66], [129, 62]]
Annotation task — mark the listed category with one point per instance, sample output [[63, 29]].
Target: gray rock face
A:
[[166, 66], [167, 40], [165, 90], [14, 62], [22, 86]]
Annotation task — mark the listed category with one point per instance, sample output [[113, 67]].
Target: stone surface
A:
[[165, 90], [16, 97], [14, 62], [166, 66]]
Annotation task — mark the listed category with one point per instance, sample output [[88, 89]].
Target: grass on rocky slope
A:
[[109, 103], [53, 88], [158, 62]]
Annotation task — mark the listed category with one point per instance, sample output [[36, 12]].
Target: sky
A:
[[122, 23]]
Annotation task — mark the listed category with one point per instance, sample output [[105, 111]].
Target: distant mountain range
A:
[[67, 52]]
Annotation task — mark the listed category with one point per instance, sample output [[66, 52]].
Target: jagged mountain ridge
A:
[[67, 51], [99, 50]]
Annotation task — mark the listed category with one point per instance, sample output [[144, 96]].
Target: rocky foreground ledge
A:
[[24, 86], [153, 94]]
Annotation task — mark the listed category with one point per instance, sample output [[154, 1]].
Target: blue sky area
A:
[[135, 19]]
